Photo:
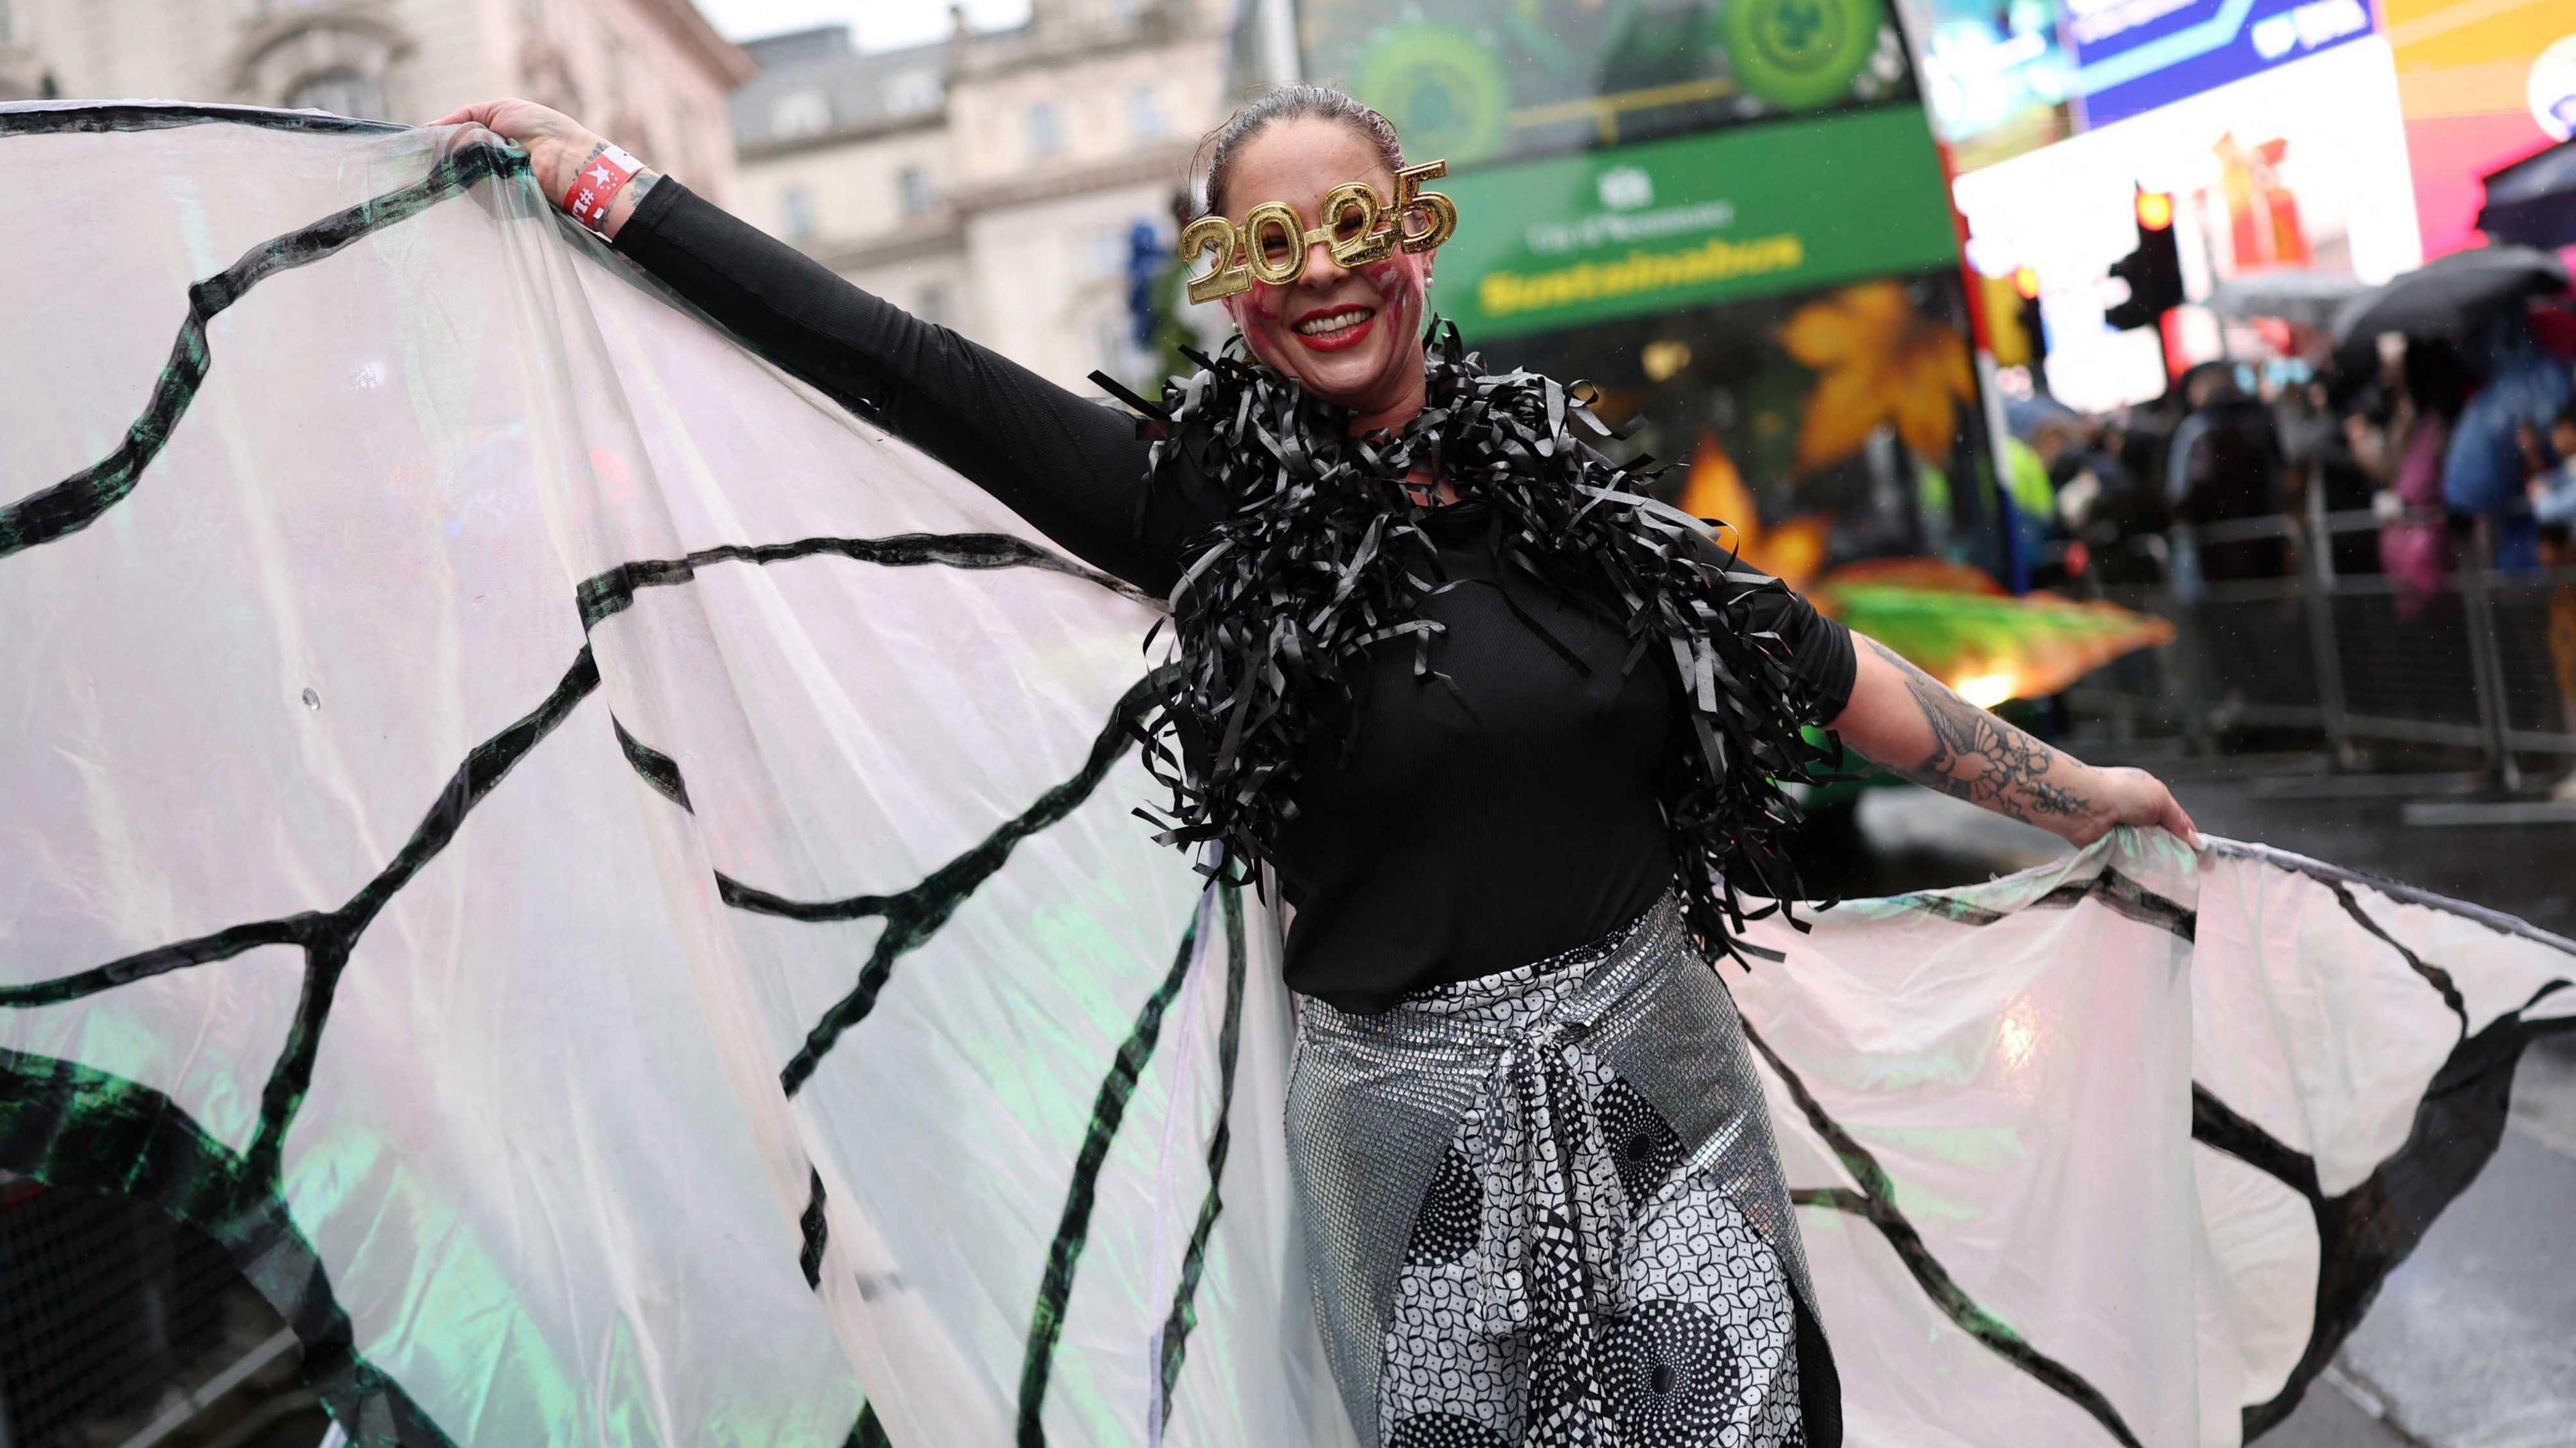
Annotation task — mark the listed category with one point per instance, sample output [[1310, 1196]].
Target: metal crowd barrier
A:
[[2356, 657]]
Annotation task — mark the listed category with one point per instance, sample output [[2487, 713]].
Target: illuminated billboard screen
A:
[[1694, 219], [1490, 80], [2485, 85], [1995, 76], [2005, 77], [2132, 56]]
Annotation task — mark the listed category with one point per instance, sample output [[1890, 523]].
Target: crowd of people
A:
[[2424, 455]]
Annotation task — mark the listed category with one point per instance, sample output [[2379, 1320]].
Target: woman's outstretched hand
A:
[[2132, 797], [557, 145]]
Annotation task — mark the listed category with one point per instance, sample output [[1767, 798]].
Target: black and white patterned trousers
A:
[[1544, 1211]]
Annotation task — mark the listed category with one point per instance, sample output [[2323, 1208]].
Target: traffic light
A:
[[2153, 271], [2013, 329]]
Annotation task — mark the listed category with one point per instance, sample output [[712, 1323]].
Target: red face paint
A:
[[1256, 316], [1351, 336]]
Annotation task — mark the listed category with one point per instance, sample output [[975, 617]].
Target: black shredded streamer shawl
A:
[[1322, 554]]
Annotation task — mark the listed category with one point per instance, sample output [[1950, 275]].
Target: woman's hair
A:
[[1215, 159], [2436, 377]]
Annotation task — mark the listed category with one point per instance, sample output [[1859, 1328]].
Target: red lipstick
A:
[[1341, 341]]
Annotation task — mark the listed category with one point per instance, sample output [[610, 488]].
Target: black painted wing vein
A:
[[657, 769], [914, 915], [79, 500], [817, 1229], [1073, 1224], [612, 591], [2125, 897], [1874, 1201], [1184, 1316], [132, 116], [327, 937], [2433, 975]]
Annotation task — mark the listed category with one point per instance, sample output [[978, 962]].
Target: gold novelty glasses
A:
[[1358, 228]]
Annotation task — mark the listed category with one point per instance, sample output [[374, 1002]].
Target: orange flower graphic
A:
[[1877, 361], [1791, 551]]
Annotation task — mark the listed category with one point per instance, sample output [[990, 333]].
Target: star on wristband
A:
[[595, 189]]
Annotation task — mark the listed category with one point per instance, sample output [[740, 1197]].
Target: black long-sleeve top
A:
[[1466, 833]]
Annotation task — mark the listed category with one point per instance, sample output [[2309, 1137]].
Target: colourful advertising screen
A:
[[1734, 213], [2132, 56], [2004, 77], [1995, 76], [1489, 80], [2482, 84]]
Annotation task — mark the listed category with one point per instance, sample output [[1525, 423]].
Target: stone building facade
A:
[[990, 181], [650, 74]]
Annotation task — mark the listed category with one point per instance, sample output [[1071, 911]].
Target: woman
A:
[[2415, 544], [1495, 724]]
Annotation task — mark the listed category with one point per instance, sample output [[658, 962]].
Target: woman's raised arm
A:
[[1070, 466], [1908, 721]]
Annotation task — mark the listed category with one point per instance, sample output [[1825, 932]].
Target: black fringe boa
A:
[[1322, 555]]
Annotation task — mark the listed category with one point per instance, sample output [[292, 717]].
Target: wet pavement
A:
[[2472, 1343]]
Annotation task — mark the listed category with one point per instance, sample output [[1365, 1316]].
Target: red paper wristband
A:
[[601, 178]]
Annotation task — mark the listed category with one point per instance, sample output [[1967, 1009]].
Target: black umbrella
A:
[[2445, 295], [2533, 201]]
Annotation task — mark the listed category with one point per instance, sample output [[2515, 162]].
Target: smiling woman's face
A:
[[1349, 337]]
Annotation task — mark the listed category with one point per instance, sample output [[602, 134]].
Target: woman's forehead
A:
[[1298, 161]]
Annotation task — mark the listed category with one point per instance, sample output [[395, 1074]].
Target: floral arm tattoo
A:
[[1980, 758]]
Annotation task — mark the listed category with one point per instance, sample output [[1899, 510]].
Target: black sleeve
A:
[[1820, 649], [1073, 468]]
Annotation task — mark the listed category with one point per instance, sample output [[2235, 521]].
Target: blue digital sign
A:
[[2132, 56]]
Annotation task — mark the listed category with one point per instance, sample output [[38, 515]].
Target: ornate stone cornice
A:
[[938, 232], [275, 53], [1166, 161], [729, 64], [875, 129], [1050, 42]]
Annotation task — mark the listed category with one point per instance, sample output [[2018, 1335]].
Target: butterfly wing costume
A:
[[608, 883]]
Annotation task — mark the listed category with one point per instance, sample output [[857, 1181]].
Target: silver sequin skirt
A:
[[1544, 1211]]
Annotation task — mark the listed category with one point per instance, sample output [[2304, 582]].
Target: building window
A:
[[1104, 252], [1145, 118], [912, 190], [1045, 130], [799, 113], [1114, 345], [913, 90], [342, 92], [796, 212]]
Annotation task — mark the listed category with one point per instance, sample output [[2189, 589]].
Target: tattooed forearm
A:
[[1980, 758]]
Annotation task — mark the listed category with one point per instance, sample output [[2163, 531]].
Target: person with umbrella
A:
[[2478, 297], [2521, 387], [2552, 491]]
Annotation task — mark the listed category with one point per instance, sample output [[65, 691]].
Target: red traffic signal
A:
[[2153, 271]]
